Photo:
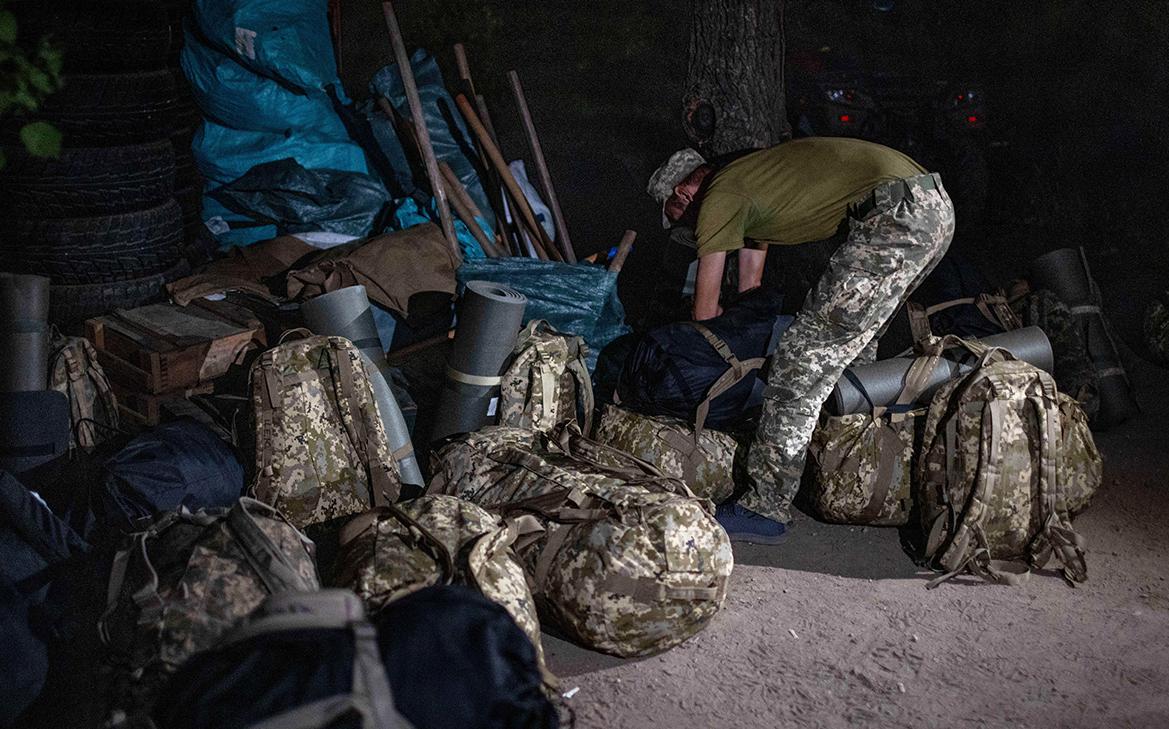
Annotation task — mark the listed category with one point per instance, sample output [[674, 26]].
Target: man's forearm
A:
[[751, 262], [708, 285]]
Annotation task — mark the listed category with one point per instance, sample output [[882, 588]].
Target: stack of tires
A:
[[107, 221]]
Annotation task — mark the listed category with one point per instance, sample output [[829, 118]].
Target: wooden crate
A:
[[145, 409], [164, 348]]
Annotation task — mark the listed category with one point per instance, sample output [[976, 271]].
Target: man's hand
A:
[[708, 285]]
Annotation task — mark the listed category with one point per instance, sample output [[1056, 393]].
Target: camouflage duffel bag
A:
[[992, 498], [704, 460], [861, 465], [321, 448], [861, 468], [391, 552], [630, 562], [184, 581], [547, 381], [1156, 328]]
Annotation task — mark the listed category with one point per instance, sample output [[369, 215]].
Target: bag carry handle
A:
[[365, 521], [994, 308]]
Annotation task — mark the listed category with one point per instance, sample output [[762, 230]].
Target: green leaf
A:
[[41, 139], [7, 27]]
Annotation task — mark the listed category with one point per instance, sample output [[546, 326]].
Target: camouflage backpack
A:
[[184, 581], [75, 371], [1157, 329], [547, 381], [861, 464], [388, 553], [629, 563], [702, 459], [321, 448], [994, 498]]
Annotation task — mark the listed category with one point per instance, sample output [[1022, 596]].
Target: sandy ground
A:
[[835, 629]]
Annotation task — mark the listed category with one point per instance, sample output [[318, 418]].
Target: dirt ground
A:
[[835, 628]]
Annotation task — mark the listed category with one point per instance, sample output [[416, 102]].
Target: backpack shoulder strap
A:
[[363, 435]]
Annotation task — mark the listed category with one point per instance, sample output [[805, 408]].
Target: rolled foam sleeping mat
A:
[[24, 356], [1062, 272], [1065, 273], [23, 297], [347, 313], [34, 429], [882, 381], [1116, 401], [489, 319]]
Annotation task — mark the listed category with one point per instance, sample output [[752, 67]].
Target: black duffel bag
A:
[[452, 659], [672, 368]]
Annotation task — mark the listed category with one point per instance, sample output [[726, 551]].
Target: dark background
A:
[[1076, 90]]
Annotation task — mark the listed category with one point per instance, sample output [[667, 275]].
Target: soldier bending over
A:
[[900, 222]]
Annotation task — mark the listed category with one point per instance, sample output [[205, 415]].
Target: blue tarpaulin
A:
[[575, 298]]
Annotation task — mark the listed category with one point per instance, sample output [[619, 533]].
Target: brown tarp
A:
[[243, 269], [392, 268]]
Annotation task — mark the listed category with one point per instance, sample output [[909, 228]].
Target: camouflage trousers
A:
[[885, 257]]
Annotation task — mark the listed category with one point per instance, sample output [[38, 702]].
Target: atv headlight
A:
[[848, 97]]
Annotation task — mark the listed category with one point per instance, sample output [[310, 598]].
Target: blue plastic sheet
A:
[[298, 200], [448, 134], [263, 74], [284, 40], [575, 298]]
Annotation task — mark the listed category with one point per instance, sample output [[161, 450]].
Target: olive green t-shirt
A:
[[794, 192]]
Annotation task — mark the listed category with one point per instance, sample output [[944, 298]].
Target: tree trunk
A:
[[736, 67]]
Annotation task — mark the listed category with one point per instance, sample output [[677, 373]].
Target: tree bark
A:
[[735, 66]]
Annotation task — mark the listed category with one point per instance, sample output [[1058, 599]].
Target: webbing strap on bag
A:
[[994, 308], [361, 433], [271, 564]]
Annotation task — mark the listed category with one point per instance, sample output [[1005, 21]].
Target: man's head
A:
[[676, 183]]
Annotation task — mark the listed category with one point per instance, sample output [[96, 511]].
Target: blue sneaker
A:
[[744, 525]]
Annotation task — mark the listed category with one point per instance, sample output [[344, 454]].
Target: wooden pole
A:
[[462, 203], [491, 184], [462, 65], [512, 230], [457, 189], [540, 240], [623, 249], [403, 61], [542, 173]]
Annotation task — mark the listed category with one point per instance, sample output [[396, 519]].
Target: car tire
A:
[[87, 181], [112, 109], [69, 306], [101, 249]]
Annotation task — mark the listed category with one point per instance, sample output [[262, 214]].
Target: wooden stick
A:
[[403, 61], [509, 223], [623, 249], [463, 67], [458, 189], [491, 184], [456, 194], [542, 173], [540, 240], [542, 244], [468, 217]]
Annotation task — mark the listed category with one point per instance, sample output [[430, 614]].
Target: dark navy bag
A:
[[181, 463], [34, 546], [446, 657], [673, 366]]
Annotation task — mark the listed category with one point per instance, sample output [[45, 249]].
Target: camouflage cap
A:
[[673, 171]]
